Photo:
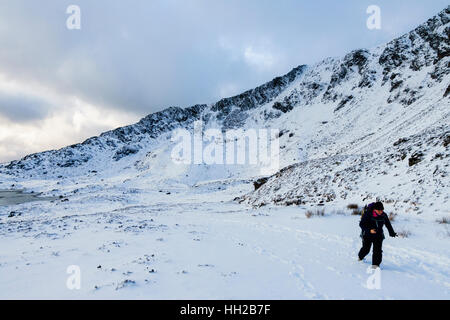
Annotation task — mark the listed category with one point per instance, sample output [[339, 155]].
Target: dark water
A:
[[12, 197]]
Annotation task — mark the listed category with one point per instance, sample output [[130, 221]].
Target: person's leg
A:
[[366, 244], [377, 252]]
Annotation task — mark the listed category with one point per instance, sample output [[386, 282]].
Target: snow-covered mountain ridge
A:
[[353, 108]]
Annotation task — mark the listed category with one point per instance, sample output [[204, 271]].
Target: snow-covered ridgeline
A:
[[360, 104]]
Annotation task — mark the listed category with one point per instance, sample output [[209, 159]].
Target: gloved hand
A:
[[393, 235]]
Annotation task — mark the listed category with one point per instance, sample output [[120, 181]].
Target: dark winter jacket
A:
[[370, 221]]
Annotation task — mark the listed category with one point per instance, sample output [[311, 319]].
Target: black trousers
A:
[[377, 252]]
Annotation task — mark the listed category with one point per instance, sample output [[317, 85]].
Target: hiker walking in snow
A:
[[372, 222]]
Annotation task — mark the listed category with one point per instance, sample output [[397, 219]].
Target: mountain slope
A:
[[388, 135]]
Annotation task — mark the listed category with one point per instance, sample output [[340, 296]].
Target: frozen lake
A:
[[13, 197]]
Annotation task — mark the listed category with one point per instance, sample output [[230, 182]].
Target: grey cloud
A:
[[22, 108], [142, 56]]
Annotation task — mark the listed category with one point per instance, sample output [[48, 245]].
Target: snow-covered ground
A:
[[133, 241]]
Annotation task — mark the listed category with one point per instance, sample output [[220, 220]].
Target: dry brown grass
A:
[[404, 234], [443, 220], [316, 212], [356, 211], [392, 216]]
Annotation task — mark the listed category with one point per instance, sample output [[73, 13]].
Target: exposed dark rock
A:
[[125, 151], [396, 84], [415, 158], [14, 214], [258, 96], [284, 106], [343, 103], [400, 141], [446, 140], [258, 183], [447, 91]]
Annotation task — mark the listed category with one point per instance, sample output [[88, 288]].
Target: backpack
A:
[[364, 210]]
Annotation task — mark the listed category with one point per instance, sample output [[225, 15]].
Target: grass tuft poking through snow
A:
[[315, 213], [392, 216], [443, 220], [404, 234]]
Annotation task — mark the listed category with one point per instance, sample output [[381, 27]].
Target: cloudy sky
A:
[[132, 58]]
